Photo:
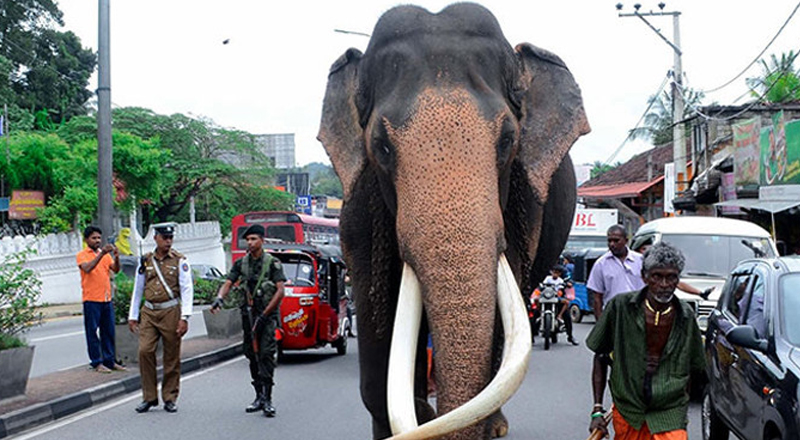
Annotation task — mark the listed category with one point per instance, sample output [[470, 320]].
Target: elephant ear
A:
[[552, 115], [340, 131]]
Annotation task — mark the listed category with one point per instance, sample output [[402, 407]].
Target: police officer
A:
[[260, 280], [165, 281]]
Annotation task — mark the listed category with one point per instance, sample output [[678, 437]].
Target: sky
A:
[[169, 56]]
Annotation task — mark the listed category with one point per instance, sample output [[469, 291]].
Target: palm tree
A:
[[779, 81], [658, 122]]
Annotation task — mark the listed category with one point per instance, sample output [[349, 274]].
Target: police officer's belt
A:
[[162, 305]]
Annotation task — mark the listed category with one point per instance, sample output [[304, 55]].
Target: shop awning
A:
[[773, 206], [617, 191]]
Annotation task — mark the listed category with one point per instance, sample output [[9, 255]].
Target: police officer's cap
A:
[[165, 229], [255, 230]]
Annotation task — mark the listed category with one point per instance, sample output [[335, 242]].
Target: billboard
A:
[[746, 152], [24, 204], [780, 152]]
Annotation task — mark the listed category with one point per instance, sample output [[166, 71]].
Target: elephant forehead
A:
[[445, 126]]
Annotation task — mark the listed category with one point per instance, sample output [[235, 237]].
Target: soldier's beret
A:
[[255, 230], [164, 229]]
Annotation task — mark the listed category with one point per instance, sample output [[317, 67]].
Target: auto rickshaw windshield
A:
[[299, 271]]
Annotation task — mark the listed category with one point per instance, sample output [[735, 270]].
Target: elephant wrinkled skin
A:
[[452, 148]]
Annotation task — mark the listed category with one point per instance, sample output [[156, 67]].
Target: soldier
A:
[[165, 280], [260, 278]]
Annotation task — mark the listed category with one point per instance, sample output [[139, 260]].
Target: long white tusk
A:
[[400, 378], [516, 353]]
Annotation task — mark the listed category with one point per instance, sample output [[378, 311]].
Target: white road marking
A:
[[90, 412], [63, 335]]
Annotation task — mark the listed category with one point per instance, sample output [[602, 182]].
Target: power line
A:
[[633, 130], [755, 60], [783, 71]]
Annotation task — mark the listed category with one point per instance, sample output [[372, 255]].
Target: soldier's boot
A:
[[269, 410], [257, 404]]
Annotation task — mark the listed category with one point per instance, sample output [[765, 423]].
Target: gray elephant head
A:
[[452, 151]]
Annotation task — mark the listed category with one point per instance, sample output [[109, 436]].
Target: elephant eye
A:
[[504, 148], [384, 152]]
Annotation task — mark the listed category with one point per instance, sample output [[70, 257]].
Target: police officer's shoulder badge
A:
[[185, 267], [276, 263]]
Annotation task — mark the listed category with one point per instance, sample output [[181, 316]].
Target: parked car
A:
[[206, 272], [753, 351], [712, 246]]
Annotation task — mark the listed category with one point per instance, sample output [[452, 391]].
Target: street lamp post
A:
[[678, 138], [105, 205]]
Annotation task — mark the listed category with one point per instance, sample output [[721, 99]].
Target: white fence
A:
[[55, 264]]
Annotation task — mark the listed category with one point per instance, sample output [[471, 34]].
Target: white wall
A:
[[57, 267]]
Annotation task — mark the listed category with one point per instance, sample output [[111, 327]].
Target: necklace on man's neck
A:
[[658, 314]]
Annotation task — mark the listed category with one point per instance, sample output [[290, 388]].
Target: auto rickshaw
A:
[[314, 309]]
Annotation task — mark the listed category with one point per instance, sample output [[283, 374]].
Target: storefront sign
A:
[[780, 152], [24, 204], [746, 152]]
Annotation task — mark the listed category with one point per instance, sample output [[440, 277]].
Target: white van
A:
[[713, 246]]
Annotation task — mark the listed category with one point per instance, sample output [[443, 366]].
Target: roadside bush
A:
[[205, 291], [20, 288], [122, 297]]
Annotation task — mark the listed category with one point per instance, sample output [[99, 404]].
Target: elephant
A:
[[452, 149]]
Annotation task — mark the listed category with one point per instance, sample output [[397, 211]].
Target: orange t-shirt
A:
[[96, 284]]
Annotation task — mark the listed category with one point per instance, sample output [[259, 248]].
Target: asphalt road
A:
[[61, 344], [317, 397]]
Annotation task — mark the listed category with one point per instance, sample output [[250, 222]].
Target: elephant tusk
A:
[[400, 378], [516, 353]]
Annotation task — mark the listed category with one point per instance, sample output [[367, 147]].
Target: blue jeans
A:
[[99, 316]]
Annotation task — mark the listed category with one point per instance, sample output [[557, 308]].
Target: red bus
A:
[[285, 226]]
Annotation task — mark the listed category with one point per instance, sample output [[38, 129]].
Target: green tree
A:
[[204, 158], [599, 168], [657, 127], [324, 181], [57, 77], [779, 81]]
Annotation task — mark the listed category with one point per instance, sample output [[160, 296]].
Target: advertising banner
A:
[[728, 189], [24, 204], [780, 152], [746, 152]]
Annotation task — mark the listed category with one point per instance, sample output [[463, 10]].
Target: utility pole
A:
[[678, 137], [105, 189]]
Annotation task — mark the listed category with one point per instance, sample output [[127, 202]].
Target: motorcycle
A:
[[547, 299]]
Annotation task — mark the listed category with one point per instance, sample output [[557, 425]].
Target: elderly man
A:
[[657, 354], [617, 271]]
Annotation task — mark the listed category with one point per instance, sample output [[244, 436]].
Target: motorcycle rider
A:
[[564, 287]]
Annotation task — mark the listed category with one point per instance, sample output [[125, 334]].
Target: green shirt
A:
[[621, 329]]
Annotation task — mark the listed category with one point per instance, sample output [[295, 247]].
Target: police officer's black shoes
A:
[[145, 406], [269, 410], [170, 407]]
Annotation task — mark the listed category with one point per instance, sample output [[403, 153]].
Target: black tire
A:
[[554, 337], [713, 427], [576, 314], [340, 344], [546, 330]]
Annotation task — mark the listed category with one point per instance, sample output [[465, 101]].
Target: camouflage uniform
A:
[[247, 270]]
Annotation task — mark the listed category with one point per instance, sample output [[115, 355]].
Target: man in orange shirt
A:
[[96, 266]]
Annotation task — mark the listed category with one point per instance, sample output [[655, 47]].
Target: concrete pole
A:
[[105, 189], [678, 138]]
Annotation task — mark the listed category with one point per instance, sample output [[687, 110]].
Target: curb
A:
[[34, 415]]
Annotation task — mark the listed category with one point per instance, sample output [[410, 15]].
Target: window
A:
[[755, 307], [281, 232], [735, 300], [789, 294]]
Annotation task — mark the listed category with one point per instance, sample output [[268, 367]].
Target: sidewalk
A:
[[60, 394]]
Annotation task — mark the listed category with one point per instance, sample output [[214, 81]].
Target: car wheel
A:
[[575, 313], [341, 345], [713, 427]]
